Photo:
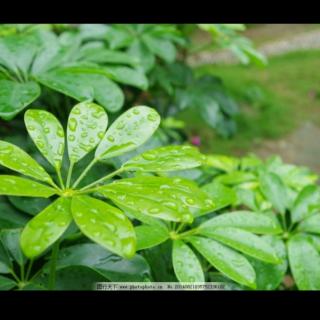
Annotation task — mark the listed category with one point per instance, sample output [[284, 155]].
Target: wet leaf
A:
[[150, 236], [274, 190], [304, 262], [104, 224], [186, 265], [86, 127], [236, 177], [84, 86], [169, 158], [10, 239], [45, 228], [221, 195], [159, 197], [243, 241], [306, 203], [311, 224], [47, 133], [246, 220], [18, 160], [270, 276], [223, 163], [129, 131], [227, 261], [15, 96], [104, 262], [16, 186]]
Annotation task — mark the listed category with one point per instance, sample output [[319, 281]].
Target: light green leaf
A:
[[150, 236], [84, 86], [246, 220], [186, 265], [160, 47], [129, 131], [236, 177], [304, 262], [104, 224], [306, 203], [6, 283], [47, 133], [87, 124], [16, 186], [227, 261], [159, 197], [310, 224], [243, 241], [128, 76], [45, 228], [274, 190], [169, 158], [15, 96], [140, 51], [270, 276], [18, 160], [223, 163], [221, 195]]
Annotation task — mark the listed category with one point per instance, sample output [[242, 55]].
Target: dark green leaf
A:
[[150, 236]]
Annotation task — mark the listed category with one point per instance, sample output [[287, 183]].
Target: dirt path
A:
[[290, 41]]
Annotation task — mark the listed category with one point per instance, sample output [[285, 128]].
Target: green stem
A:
[[102, 179], [91, 164], [14, 275], [180, 227], [29, 269], [69, 174], [22, 272], [187, 233], [60, 178], [53, 265]]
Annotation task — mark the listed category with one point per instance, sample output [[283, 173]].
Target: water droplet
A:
[[154, 210], [149, 156], [110, 138], [46, 130], [190, 201], [72, 137], [152, 117], [136, 111], [100, 134], [84, 134], [120, 125], [72, 124]]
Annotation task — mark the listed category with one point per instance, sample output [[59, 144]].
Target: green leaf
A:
[[221, 195], [160, 47], [128, 76], [29, 205], [45, 228], [150, 236], [169, 158], [10, 239], [246, 220], [6, 283], [186, 265], [140, 51], [227, 261], [270, 276], [159, 197], [304, 262], [243, 241], [310, 224], [16, 186], [10, 217], [104, 262], [274, 190], [47, 133], [104, 224], [84, 86], [14, 97], [236, 177], [129, 131], [87, 124], [5, 260], [18, 160], [306, 203]]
